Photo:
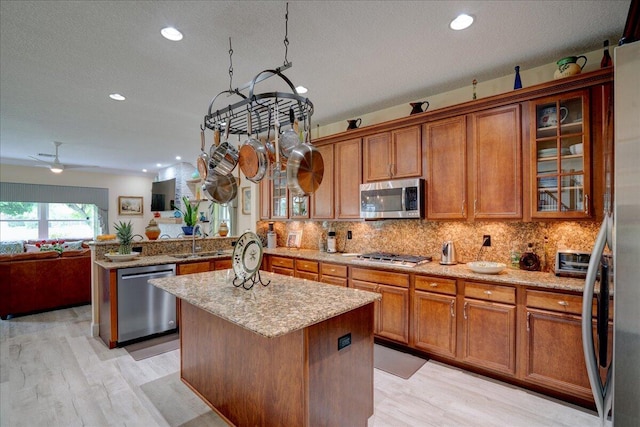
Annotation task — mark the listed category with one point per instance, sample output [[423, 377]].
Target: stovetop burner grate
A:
[[397, 259]]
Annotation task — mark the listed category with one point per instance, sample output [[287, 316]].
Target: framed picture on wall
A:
[[130, 205], [294, 239], [246, 200]]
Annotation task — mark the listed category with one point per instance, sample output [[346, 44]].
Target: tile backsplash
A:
[[421, 237]]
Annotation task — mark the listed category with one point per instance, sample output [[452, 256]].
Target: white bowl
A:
[[576, 149], [486, 267]]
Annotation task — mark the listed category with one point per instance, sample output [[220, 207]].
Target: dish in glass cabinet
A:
[[121, 257], [486, 267], [247, 256]]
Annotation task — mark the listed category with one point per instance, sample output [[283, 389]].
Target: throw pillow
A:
[[72, 246], [31, 248], [12, 247]]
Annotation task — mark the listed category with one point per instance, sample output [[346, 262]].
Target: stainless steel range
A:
[[386, 258]]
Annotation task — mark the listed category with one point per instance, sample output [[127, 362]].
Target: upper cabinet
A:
[[322, 201], [561, 156], [393, 155], [474, 165], [348, 177]]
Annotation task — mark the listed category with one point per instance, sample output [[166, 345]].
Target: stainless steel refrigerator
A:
[[617, 395]]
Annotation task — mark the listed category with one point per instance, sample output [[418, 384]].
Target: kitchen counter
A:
[[458, 271], [287, 304], [295, 352], [143, 260]]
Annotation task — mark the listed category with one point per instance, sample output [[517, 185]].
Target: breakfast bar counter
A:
[[295, 352]]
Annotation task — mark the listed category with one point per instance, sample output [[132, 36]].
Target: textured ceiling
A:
[[59, 61]]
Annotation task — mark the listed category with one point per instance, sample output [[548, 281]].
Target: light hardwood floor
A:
[[52, 373]]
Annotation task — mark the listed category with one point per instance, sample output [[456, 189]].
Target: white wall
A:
[[118, 185]]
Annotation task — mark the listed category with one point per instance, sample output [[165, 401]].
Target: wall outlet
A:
[[349, 235], [486, 240]]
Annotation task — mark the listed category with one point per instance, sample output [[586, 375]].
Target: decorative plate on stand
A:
[[247, 256]]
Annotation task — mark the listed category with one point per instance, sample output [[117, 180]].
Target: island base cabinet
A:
[[297, 379]]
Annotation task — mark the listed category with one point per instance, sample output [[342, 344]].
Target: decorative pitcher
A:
[[417, 107], [354, 124], [569, 66]]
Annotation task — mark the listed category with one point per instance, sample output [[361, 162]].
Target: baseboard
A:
[[95, 329]]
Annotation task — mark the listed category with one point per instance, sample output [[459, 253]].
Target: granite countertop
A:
[[458, 271], [143, 260], [287, 304]]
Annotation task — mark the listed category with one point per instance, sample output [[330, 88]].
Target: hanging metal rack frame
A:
[[258, 105]]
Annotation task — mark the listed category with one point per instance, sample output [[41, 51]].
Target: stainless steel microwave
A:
[[401, 198]]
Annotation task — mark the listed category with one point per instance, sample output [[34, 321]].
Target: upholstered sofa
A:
[[46, 280]]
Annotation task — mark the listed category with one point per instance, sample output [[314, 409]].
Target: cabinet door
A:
[[554, 355], [406, 153], [298, 207], [496, 165], [279, 196], [322, 206], [193, 267], [348, 177], [561, 156], [265, 198], [377, 157], [394, 313], [446, 146], [371, 287], [489, 335], [434, 323]]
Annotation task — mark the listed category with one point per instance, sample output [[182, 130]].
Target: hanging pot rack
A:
[[259, 105]]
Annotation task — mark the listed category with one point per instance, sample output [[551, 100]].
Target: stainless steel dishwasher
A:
[[144, 309]]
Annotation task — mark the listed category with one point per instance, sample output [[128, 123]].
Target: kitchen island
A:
[[295, 352]]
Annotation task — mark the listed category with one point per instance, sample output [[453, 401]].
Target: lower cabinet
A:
[[192, 267], [281, 265], [434, 315], [392, 316], [489, 327], [307, 269], [334, 274]]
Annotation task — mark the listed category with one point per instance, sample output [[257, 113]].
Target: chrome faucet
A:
[[193, 238]]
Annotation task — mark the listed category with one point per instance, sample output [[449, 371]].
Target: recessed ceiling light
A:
[[144, 170], [158, 164], [178, 158], [117, 97], [301, 89], [171, 33], [461, 22]]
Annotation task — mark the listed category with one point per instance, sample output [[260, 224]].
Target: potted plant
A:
[[189, 214], [124, 233]]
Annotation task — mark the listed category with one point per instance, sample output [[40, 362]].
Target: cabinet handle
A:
[[586, 204], [462, 210], [563, 303], [333, 270], [452, 309], [488, 292], [433, 285], [475, 201], [464, 310], [528, 325]]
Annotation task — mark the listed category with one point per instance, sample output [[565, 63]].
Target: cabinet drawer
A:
[[382, 277], [436, 284], [335, 270], [193, 267], [562, 303], [280, 270], [306, 275], [222, 264], [277, 261], [338, 281], [304, 265], [488, 292]]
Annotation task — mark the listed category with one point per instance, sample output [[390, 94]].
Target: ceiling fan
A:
[[55, 166]]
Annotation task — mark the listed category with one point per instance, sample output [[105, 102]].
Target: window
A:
[[40, 221]]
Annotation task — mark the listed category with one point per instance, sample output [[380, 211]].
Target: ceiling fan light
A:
[[56, 168], [461, 22]]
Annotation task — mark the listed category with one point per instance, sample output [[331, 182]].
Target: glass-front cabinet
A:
[[279, 199], [561, 172]]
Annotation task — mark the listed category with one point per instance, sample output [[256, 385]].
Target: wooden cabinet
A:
[[560, 155], [553, 355], [322, 201], [393, 155], [348, 177], [369, 287], [298, 207], [306, 269], [192, 267], [222, 264], [265, 198], [446, 152], [393, 313], [282, 265], [434, 315], [279, 196], [489, 327], [495, 176], [474, 165], [334, 274]]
